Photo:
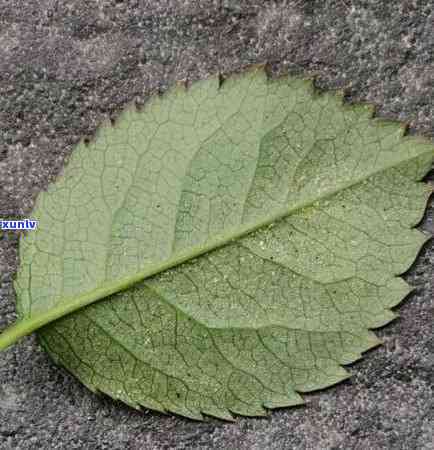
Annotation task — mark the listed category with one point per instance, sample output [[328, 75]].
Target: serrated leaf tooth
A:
[[373, 341], [334, 376], [149, 403], [280, 401], [383, 318], [349, 358], [249, 410], [394, 292], [219, 413], [186, 412]]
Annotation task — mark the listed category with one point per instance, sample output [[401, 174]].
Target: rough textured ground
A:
[[65, 65]]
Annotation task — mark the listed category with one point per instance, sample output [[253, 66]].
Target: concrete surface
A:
[[65, 65]]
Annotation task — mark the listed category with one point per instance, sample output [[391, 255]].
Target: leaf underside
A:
[[325, 196]]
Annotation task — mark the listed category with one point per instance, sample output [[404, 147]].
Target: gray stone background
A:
[[66, 65]]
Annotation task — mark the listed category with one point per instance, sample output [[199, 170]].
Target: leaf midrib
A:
[[72, 304]]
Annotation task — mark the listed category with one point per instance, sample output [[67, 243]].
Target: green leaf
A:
[[245, 238]]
